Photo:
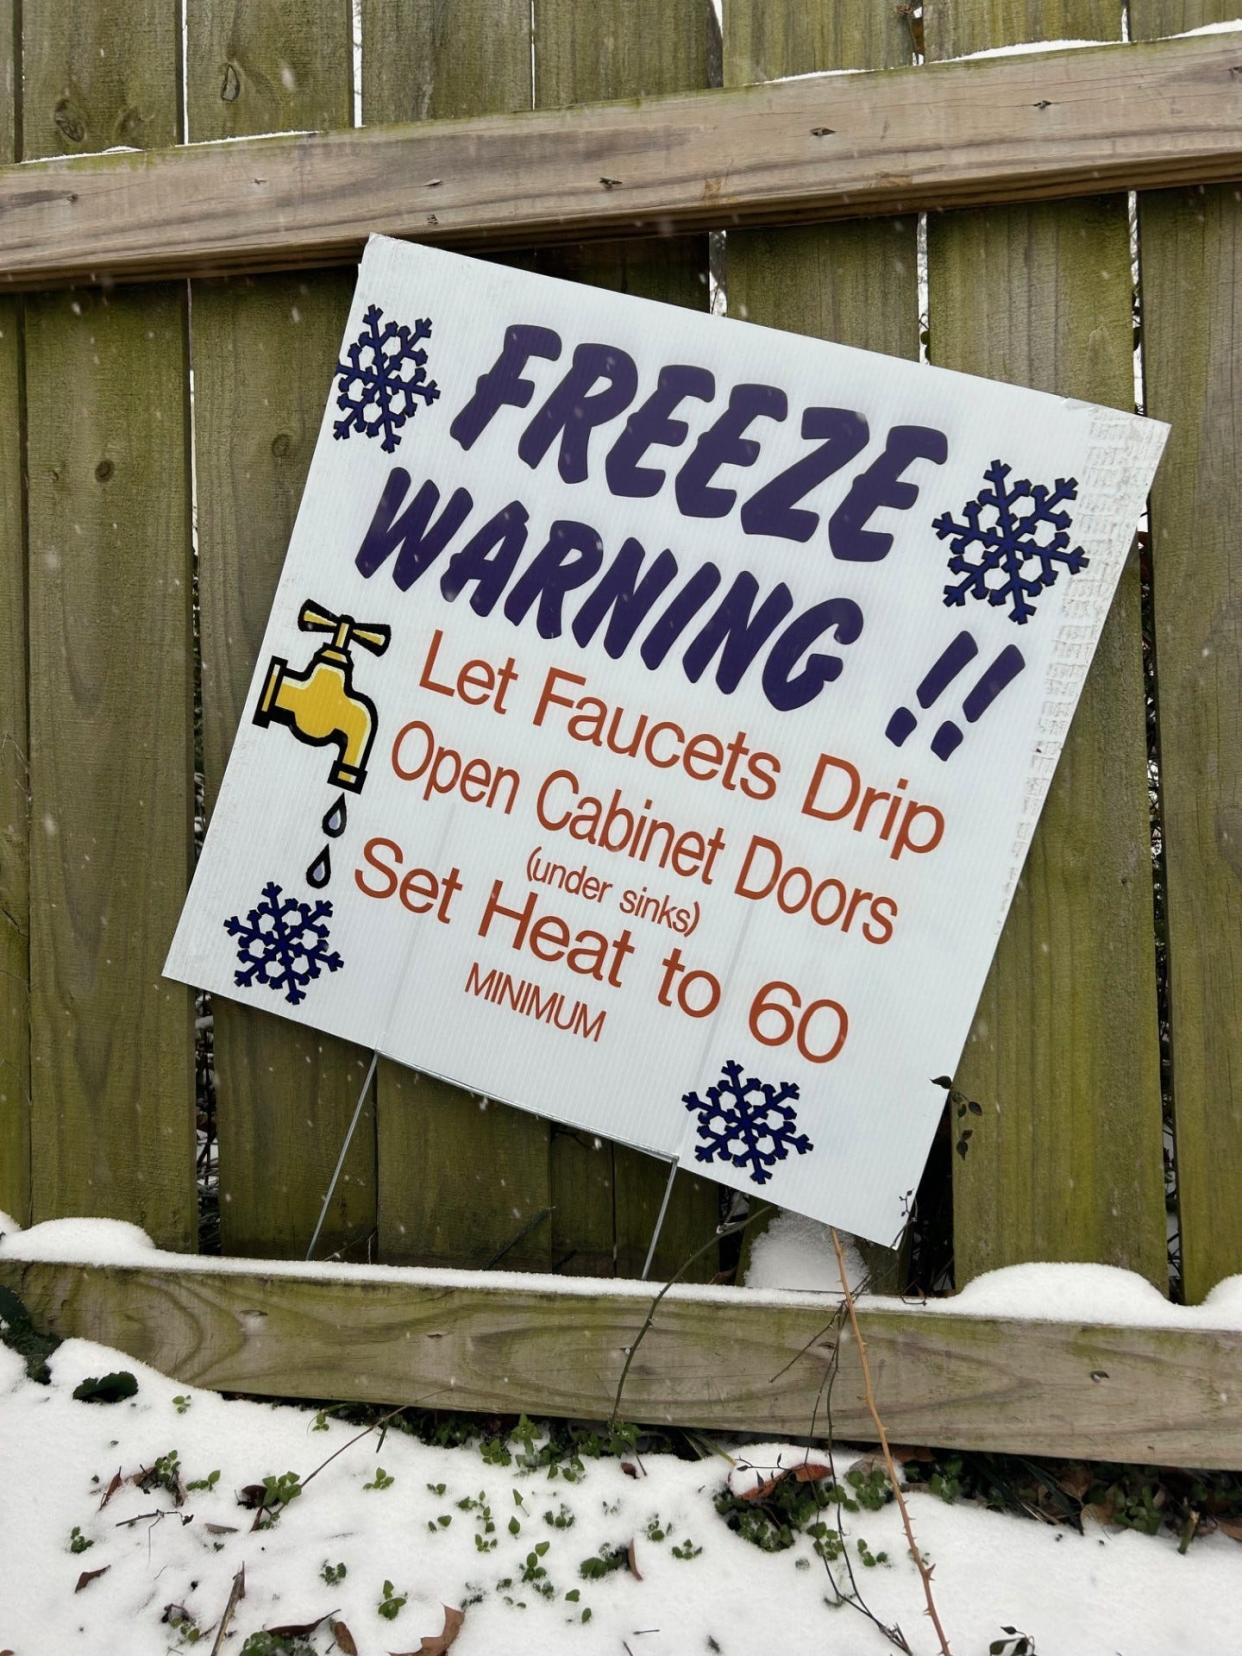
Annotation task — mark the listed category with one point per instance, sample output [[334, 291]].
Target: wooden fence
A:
[[154, 438]]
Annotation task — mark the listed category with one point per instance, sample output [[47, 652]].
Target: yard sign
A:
[[654, 715]]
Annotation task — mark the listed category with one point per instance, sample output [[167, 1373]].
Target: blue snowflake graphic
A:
[[1012, 543], [283, 944], [747, 1122], [384, 379]]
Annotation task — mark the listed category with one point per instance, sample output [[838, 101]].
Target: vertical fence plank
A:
[[14, 735], [461, 1181], [856, 284], [621, 49], [110, 665], [1066, 1160], [267, 66], [457, 57], [263, 351], [1190, 248], [10, 79], [98, 75]]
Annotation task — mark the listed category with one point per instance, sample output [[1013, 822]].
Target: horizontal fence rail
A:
[[714, 1358], [974, 132]]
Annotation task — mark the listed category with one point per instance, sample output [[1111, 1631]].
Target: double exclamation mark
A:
[[960, 653]]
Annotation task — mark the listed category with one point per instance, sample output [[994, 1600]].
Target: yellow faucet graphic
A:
[[320, 705]]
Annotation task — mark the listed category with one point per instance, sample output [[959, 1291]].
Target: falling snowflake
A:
[[747, 1122], [283, 944], [1012, 544], [384, 379]]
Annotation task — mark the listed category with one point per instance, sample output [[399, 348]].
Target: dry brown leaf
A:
[[764, 1487], [631, 1556], [1076, 1481], [87, 1576], [297, 1630], [904, 1452], [630, 1470], [1230, 1527], [117, 1481], [343, 1637], [436, 1644], [1102, 1511], [811, 1471], [220, 1529]]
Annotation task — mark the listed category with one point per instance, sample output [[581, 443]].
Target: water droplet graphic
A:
[[320, 871], [334, 822]]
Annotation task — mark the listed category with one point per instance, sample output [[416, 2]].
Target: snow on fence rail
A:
[[1153, 1386]]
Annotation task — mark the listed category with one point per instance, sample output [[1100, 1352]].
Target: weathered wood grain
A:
[[110, 668], [99, 75], [854, 283], [955, 27], [1065, 1160], [14, 735], [690, 1221], [263, 352], [584, 1234], [454, 58], [267, 66], [1191, 259], [14, 789], [10, 80], [1153, 19], [461, 1180], [726, 1359], [604, 1191], [1004, 129]]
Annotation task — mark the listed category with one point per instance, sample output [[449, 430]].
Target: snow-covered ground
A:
[[423, 1528]]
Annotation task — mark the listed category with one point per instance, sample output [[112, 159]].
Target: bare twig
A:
[[924, 1569], [375, 1426], [156, 1516], [802, 1351], [237, 1592], [367, 1430], [527, 1228], [716, 1236], [854, 1597], [823, 1398], [357, 1438]]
